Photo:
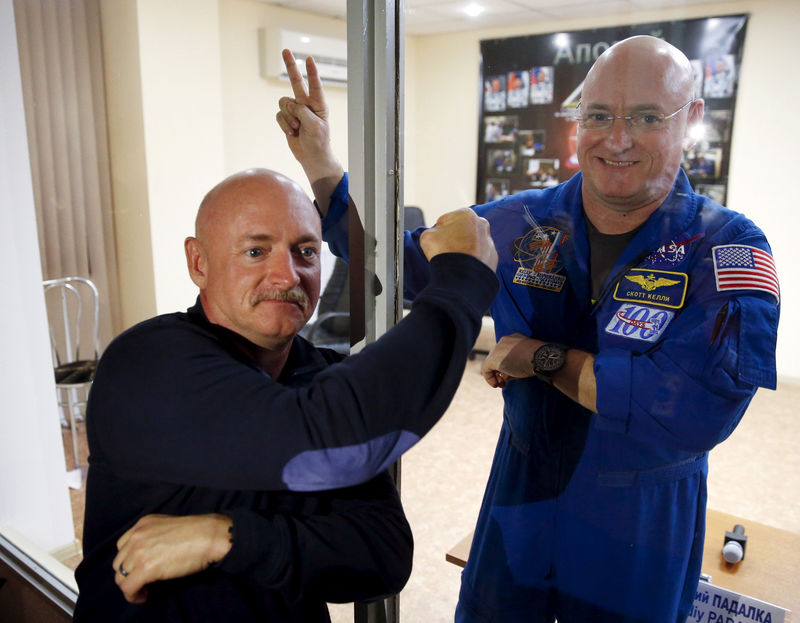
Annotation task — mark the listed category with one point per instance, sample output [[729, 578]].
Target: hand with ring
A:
[[163, 547]]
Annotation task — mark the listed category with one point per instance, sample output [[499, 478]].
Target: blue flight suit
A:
[[601, 517]]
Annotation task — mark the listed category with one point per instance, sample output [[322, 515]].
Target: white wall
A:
[[182, 108], [764, 154], [444, 139], [250, 102], [33, 487], [164, 100]]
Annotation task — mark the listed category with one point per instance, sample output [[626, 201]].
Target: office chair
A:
[[73, 311], [413, 218], [331, 328]]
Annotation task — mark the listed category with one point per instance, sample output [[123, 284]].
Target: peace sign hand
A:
[[304, 121]]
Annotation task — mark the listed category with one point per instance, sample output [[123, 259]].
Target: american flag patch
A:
[[742, 267]]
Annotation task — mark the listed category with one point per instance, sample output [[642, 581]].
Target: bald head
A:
[[245, 188], [649, 63]]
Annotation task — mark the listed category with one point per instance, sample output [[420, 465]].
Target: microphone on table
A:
[[735, 544]]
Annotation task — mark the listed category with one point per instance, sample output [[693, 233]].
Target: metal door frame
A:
[[375, 53]]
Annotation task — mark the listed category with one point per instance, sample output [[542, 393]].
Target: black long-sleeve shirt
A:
[[181, 421]]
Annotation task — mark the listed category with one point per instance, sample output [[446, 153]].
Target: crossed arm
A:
[[164, 547], [512, 358], [357, 547]]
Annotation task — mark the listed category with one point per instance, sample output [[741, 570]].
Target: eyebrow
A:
[[269, 237], [637, 108]]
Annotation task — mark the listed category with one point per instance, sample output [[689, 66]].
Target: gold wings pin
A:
[[650, 282]]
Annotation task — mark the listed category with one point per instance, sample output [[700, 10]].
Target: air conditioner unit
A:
[[330, 54]]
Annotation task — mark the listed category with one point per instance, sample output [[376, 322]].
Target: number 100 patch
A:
[[637, 322]]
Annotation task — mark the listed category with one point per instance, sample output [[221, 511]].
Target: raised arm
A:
[[354, 420], [304, 119]]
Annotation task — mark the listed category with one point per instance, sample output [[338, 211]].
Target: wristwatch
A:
[[547, 360]]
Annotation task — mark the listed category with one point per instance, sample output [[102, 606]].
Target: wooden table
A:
[[459, 553], [770, 570]]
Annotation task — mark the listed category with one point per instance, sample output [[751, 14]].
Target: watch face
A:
[[549, 358]]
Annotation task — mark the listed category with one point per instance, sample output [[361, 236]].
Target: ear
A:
[[196, 261], [696, 110]]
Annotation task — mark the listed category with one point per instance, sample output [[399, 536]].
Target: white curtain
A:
[[61, 62]]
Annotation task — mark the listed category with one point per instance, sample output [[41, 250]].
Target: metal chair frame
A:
[[72, 372]]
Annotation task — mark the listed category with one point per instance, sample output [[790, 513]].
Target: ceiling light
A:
[[473, 10], [561, 40]]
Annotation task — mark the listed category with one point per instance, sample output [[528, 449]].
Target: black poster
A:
[[531, 86]]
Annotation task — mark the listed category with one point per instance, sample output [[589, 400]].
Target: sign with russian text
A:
[[714, 604]]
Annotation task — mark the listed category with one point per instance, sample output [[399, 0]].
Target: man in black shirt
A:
[[236, 471]]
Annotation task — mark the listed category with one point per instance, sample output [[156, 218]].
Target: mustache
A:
[[295, 295]]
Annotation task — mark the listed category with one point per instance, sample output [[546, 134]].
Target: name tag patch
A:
[[546, 281], [663, 288], [637, 322]]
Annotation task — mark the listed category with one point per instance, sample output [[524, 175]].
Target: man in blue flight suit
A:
[[635, 319]]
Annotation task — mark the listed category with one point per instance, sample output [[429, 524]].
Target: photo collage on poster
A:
[[528, 129], [715, 80], [512, 151]]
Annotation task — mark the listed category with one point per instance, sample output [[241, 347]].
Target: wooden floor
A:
[[755, 474]]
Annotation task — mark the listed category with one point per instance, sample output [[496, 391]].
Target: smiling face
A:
[[627, 171], [256, 257]]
